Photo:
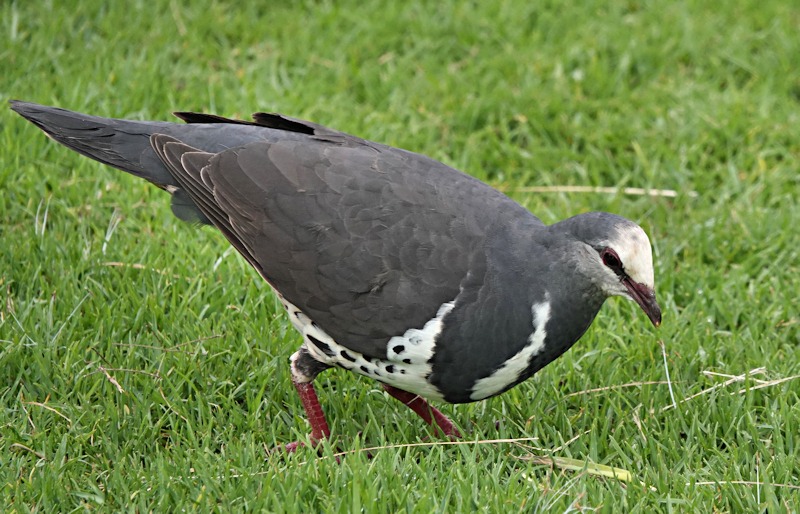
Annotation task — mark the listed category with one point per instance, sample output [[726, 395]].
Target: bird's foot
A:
[[293, 447], [296, 446], [316, 418], [430, 414]]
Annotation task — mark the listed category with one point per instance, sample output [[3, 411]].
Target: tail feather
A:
[[119, 143], [126, 145]]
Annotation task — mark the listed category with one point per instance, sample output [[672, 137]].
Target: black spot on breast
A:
[[364, 369], [367, 358], [348, 356], [407, 361], [399, 349], [389, 369], [322, 346]]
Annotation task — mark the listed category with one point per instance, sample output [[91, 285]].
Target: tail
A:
[[119, 143], [122, 144], [126, 145]]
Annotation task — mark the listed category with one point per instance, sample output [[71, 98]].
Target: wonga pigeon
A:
[[389, 263]]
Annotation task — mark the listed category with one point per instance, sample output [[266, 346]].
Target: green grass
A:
[[112, 399]]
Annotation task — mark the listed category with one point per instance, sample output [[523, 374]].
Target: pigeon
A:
[[389, 263]]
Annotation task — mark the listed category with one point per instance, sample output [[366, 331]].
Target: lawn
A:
[[143, 364]]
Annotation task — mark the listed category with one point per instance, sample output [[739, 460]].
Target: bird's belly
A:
[[407, 369]]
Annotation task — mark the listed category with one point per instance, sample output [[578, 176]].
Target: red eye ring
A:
[[611, 259]]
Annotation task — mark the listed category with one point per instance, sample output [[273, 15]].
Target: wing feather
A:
[[366, 240]]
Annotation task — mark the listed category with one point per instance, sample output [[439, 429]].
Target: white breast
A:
[[511, 369]]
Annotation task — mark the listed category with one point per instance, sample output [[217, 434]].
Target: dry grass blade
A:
[[666, 370], [769, 383], [103, 369], [136, 265], [618, 386], [588, 467], [111, 379], [51, 409], [733, 379], [633, 191], [517, 441], [27, 414], [176, 348], [752, 373], [170, 407], [638, 421], [747, 483], [18, 447]]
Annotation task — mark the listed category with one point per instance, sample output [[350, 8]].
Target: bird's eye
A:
[[611, 259]]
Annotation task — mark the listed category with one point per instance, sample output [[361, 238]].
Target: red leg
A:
[[316, 418], [424, 410]]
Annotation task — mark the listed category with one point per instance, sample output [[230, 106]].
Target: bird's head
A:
[[617, 258]]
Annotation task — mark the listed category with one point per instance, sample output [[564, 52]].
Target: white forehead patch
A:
[[633, 247]]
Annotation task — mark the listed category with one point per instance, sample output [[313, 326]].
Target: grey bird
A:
[[389, 263]]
